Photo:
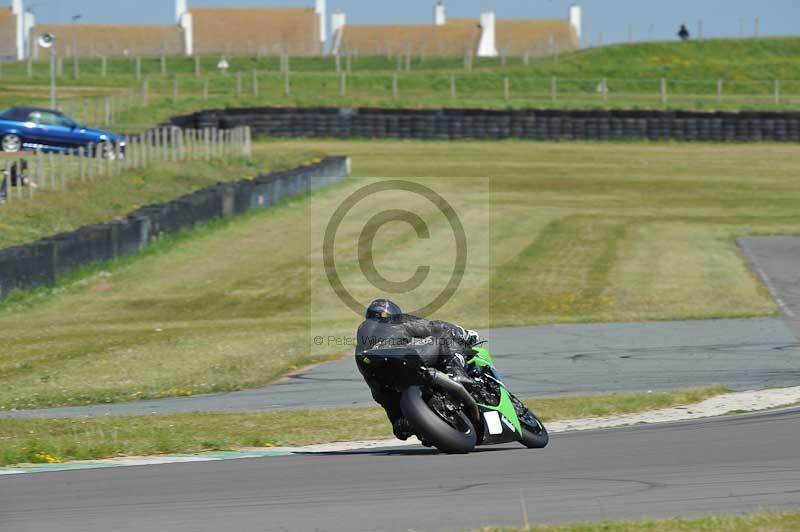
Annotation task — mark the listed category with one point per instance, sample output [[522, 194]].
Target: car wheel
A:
[[11, 143]]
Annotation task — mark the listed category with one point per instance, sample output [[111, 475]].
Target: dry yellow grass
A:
[[8, 30], [537, 37], [454, 38], [247, 31]]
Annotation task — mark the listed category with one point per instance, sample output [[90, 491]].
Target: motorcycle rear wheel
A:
[[432, 427]]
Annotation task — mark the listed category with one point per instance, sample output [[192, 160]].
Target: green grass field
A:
[[42, 440], [747, 68], [564, 232], [760, 522]]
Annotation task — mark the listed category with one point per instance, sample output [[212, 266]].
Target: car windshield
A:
[[51, 118], [9, 114]]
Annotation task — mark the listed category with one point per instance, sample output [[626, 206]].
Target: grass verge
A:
[[48, 440], [760, 522]]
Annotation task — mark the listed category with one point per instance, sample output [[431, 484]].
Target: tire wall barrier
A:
[[489, 124], [44, 261]]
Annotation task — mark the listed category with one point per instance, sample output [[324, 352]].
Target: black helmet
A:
[[382, 309]]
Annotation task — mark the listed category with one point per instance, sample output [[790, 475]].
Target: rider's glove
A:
[[471, 337]]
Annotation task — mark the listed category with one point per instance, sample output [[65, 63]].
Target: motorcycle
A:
[[442, 411]]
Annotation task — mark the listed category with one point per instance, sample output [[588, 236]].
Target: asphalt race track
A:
[[543, 361], [723, 465]]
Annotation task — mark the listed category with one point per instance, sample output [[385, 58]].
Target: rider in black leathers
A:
[[385, 321]]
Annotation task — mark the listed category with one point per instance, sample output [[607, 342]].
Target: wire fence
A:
[[22, 177], [488, 89]]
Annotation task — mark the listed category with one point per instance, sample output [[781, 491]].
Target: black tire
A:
[[534, 437], [11, 143], [433, 428]]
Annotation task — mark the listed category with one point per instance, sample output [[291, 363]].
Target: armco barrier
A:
[[44, 261], [492, 124]]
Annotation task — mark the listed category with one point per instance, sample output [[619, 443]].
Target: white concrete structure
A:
[[181, 7], [18, 10], [575, 19], [322, 12], [439, 14], [29, 21], [338, 22], [183, 18], [488, 42]]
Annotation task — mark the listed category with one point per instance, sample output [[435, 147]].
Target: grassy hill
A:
[[747, 70]]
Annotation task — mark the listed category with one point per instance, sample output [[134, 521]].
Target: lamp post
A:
[[48, 40], [75, 18], [75, 65]]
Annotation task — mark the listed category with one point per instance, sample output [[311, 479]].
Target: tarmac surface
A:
[[726, 465], [542, 361], [776, 259]]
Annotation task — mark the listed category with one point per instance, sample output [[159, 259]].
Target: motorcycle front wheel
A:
[[447, 429], [534, 434]]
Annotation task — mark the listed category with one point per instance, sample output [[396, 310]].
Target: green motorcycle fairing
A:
[[504, 407]]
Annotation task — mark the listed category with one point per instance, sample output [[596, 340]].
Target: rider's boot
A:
[[457, 371], [402, 429]]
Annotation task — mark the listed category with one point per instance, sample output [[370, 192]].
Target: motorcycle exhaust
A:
[[443, 381]]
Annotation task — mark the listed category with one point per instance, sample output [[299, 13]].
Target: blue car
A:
[[32, 128]]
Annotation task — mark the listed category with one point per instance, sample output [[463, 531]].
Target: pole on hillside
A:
[[452, 86], [175, 89], [663, 91], [553, 88], [777, 92], [343, 84], [80, 163], [138, 68], [145, 92], [197, 66], [506, 89], [5, 179], [107, 111], [103, 66], [719, 91], [395, 91], [63, 170], [255, 83], [40, 169]]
